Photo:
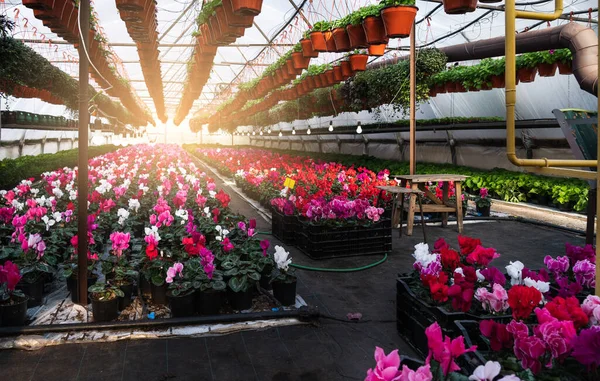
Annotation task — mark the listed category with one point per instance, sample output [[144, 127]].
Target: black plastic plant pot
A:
[[72, 287], [34, 291], [483, 210], [240, 300], [145, 285], [182, 305], [285, 292], [159, 294], [265, 280], [15, 313], [125, 301], [209, 302], [105, 310]]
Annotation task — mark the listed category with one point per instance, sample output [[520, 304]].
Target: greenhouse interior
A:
[[378, 190]]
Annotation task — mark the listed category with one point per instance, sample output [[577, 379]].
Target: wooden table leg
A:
[[411, 210], [395, 211], [422, 218], [459, 206], [401, 214], [445, 201]]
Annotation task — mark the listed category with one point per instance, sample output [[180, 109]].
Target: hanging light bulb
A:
[[253, 133], [308, 131], [269, 130], [260, 133], [293, 130], [331, 126], [280, 134], [248, 133], [358, 129]]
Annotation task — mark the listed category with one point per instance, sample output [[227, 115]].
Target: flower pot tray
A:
[[322, 242], [284, 227]]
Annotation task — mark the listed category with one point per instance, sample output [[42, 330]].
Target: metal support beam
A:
[[185, 11], [82, 174], [301, 14], [133, 45], [413, 89]]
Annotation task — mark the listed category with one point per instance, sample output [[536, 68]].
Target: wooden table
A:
[[397, 212], [445, 206]]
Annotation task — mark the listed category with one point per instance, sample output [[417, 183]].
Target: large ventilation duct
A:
[[581, 41]]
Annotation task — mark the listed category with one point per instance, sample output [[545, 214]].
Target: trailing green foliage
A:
[[25, 167]]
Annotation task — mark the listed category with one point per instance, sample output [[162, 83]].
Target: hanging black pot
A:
[[159, 294], [181, 305], [484, 211], [241, 300], [125, 300], [72, 286], [209, 302], [14, 314], [285, 292], [34, 291], [105, 310]]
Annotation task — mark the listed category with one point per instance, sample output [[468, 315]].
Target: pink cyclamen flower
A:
[[483, 192], [421, 374], [585, 273], [587, 347], [120, 242], [444, 350], [172, 272], [591, 307], [495, 301], [386, 368], [227, 245], [558, 336], [557, 266], [264, 245], [242, 226]]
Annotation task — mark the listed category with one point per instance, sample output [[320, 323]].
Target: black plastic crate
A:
[[284, 228]]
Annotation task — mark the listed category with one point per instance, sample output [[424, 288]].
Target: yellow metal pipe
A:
[[562, 172], [511, 93]]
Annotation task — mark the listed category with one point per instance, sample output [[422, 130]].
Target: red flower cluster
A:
[[438, 286], [467, 244], [463, 289], [522, 300], [497, 334], [568, 309], [223, 198]]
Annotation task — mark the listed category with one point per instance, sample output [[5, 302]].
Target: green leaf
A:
[[157, 280]]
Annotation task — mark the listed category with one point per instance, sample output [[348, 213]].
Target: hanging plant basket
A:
[[450, 87], [342, 42], [318, 41], [374, 30], [329, 74], [299, 61], [329, 41], [398, 20], [290, 67], [497, 81], [307, 49], [358, 62], [547, 70], [377, 50], [346, 69], [565, 68], [356, 36], [247, 7], [526, 74], [459, 87], [458, 7], [41, 4], [323, 80], [337, 73], [234, 19]]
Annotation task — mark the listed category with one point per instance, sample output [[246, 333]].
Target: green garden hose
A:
[[348, 270]]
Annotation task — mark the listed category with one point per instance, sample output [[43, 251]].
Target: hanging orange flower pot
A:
[[457, 7], [565, 68], [377, 50], [312, 82], [374, 30], [547, 70], [329, 41], [236, 20], [398, 20], [346, 69], [356, 36], [307, 48], [497, 81], [358, 62], [318, 41], [329, 74], [284, 74], [342, 42], [290, 67], [337, 73], [526, 74], [299, 61], [323, 79], [247, 7], [450, 87], [318, 81]]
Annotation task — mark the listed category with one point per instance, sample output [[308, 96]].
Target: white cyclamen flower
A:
[[134, 204], [282, 258], [486, 372], [422, 255], [48, 221], [183, 214], [72, 195], [542, 287], [57, 192], [480, 277], [515, 271], [153, 231]]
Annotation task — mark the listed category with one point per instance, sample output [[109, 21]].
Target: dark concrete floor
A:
[[330, 351]]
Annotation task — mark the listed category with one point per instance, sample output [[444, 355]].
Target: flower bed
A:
[[152, 212], [450, 285]]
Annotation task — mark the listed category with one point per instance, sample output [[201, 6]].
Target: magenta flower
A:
[[557, 266], [120, 242], [492, 275], [227, 245], [264, 245], [444, 350], [529, 350], [421, 374], [483, 192], [495, 301], [587, 347], [585, 273], [591, 307], [578, 253], [386, 368], [242, 226], [172, 272]]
